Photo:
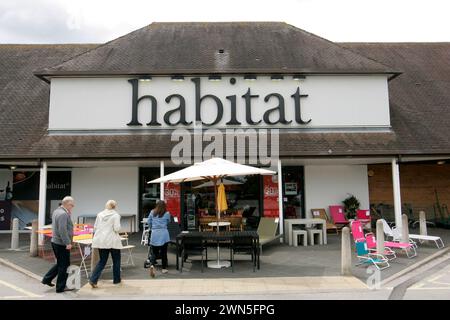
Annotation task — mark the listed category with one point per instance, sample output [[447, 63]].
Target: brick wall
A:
[[418, 183]]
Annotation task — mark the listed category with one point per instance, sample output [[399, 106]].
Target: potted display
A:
[[351, 204]]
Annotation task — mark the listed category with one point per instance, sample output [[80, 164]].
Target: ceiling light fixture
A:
[[214, 77], [178, 78], [250, 77], [276, 77], [298, 77], [145, 78]]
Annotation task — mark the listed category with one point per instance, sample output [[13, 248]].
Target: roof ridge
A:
[[343, 48], [399, 43], [46, 44], [218, 22]]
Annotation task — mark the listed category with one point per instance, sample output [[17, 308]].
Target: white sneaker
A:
[[164, 271]]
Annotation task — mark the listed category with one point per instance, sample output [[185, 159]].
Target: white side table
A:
[[288, 223], [312, 233], [296, 233]]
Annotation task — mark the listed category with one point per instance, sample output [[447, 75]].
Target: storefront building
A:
[[100, 121]]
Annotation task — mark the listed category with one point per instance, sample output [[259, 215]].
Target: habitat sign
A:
[[228, 102]]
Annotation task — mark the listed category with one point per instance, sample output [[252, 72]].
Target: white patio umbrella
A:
[[226, 182], [213, 170]]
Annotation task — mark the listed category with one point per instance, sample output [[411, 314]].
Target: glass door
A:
[[293, 192]]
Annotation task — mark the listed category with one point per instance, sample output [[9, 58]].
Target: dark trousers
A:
[[159, 251], [104, 254], [60, 268]]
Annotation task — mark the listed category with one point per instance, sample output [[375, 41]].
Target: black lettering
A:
[[198, 102], [181, 110], [135, 103], [233, 120], [248, 107], [297, 106], [153, 121], [279, 108]]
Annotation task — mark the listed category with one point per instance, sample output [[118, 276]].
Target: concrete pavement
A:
[[286, 273], [223, 287], [15, 285], [432, 284]]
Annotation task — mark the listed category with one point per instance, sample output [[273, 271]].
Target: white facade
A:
[[329, 185], [92, 187], [334, 101]]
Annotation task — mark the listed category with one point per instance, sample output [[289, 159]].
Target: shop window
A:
[[243, 199], [22, 201], [293, 195]]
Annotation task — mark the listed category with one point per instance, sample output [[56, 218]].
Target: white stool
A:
[[312, 233], [296, 233]]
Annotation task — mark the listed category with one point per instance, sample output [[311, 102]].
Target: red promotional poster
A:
[[172, 195], [270, 196]]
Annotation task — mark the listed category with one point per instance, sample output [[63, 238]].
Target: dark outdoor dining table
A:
[[216, 237]]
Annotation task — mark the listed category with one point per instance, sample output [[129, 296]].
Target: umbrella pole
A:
[[217, 264], [217, 204], [218, 219]]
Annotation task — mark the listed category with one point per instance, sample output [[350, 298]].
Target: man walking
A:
[[62, 229]]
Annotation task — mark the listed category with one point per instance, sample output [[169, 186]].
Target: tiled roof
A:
[[420, 97], [227, 47], [419, 103], [24, 99]]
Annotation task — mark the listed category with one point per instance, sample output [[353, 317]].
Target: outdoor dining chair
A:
[[358, 235], [366, 257], [321, 214], [244, 244], [193, 245], [338, 216], [365, 218], [396, 236], [267, 231], [236, 223], [174, 230]]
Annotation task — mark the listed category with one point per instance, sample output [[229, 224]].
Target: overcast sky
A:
[[87, 21]]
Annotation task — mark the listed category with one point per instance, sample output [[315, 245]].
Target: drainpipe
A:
[[161, 173], [42, 199], [280, 197], [397, 194]]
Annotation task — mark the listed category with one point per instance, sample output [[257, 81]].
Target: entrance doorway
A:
[[149, 194], [249, 196], [293, 192], [243, 198]]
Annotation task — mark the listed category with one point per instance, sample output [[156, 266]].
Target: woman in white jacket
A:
[[107, 240]]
